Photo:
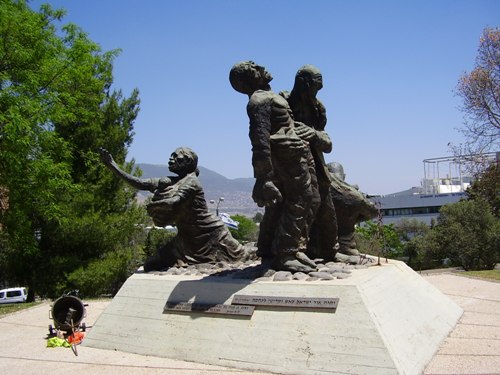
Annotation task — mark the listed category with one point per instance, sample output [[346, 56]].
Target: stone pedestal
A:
[[388, 321]]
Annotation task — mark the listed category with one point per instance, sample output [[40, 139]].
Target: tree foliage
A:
[[105, 276], [247, 229], [64, 210], [487, 187], [480, 91], [378, 239], [257, 218], [425, 250], [407, 230], [156, 238], [469, 234]]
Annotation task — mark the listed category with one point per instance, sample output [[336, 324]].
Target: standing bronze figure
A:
[[308, 110], [282, 168]]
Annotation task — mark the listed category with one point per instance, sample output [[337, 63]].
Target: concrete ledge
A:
[[388, 321]]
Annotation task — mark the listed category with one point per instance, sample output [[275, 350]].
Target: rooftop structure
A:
[[445, 181]]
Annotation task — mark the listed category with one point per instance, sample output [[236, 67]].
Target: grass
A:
[[13, 307], [488, 275]]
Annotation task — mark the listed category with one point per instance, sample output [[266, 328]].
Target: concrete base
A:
[[388, 321]]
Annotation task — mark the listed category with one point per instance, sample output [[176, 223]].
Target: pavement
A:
[[473, 347]]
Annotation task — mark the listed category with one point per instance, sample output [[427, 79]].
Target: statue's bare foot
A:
[[348, 250], [349, 259], [298, 262], [303, 258], [362, 259]]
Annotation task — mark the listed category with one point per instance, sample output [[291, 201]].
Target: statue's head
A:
[[308, 78], [337, 169], [247, 77], [183, 161]]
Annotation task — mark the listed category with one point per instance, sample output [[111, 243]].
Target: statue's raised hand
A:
[[265, 193], [106, 157]]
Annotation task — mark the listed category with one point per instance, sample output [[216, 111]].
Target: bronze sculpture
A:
[[293, 183], [282, 164], [352, 207], [309, 110], [180, 201]]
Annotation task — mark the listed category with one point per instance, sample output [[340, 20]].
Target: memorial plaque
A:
[[295, 302], [209, 309]]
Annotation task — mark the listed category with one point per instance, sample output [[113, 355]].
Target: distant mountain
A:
[[237, 193]]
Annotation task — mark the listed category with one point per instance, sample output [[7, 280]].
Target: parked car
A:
[[13, 295]]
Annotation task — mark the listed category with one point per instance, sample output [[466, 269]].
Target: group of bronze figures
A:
[[310, 212]]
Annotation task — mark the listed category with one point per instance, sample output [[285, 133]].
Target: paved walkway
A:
[[473, 347]]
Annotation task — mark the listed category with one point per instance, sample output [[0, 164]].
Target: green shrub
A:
[[469, 234], [375, 239], [156, 238], [247, 229], [105, 276]]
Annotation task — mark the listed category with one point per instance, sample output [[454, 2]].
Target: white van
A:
[[13, 295]]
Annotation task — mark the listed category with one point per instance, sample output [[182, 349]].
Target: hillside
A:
[[237, 193]]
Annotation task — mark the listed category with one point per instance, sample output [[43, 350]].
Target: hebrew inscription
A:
[[209, 309], [295, 302]]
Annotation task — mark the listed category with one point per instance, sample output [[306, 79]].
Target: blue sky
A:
[[389, 70]]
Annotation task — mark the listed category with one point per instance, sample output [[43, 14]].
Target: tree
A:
[[258, 217], [408, 229], [373, 238], [156, 238], [426, 253], [247, 229], [487, 186], [480, 91], [469, 234], [65, 211], [34, 168]]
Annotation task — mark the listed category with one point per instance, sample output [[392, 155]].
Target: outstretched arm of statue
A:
[[138, 183]]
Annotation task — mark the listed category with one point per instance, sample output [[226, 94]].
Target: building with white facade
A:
[[445, 181]]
